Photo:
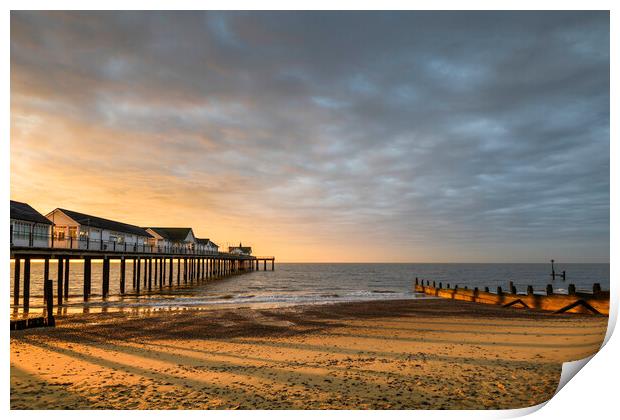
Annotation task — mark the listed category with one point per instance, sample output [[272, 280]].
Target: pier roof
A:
[[101, 223], [23, 211], [172, 234]]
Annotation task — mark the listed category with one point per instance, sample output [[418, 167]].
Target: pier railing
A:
[[39, 241]]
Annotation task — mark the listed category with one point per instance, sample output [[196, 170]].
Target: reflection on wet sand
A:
[[397, 354]]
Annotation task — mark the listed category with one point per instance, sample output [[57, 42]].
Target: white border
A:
[[591, 394]]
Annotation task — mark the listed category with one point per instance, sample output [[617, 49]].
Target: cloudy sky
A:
[[467, 136]]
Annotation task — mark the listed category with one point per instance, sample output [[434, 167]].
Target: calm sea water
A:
[[314, 283]]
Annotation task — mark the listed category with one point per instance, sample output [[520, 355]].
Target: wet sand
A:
[[411, 354]]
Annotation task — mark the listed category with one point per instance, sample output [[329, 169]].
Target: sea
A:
[[309, 283]]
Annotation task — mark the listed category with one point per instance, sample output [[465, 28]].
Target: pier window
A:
[[22, 229], [40, 231], [73, 232], [60, 232], [119, 239]]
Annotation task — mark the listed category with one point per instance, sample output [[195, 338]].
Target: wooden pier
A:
[[151, 269], [264, 260], [596, 302]]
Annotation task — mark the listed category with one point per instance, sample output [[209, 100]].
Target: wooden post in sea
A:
[[150, 273], [122, 280], [273, 264], [178, 271], [571, 290], [161, 273], [146, 272], [105, 281], [530, 290], [133, 273], [265, 264], [549, 290], [86, 278], [26, 284], [499, 291], [512, 288], [596, 288], [16, 275], [60, 277], [155, 275], [136, 271], [66, 285], [170, 269], [137, 285], [49, 295], [46, 268], [185, 270]]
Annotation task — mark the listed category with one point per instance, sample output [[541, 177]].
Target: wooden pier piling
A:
[[105, 284], [66, 282], [60, 280], [122, 276], [86, 278], [16, 276], [26, 303], [197, 269]]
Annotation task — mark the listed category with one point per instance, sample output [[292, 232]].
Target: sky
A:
[[334, 136]]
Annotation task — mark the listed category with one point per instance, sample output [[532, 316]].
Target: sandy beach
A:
[[408, 354]]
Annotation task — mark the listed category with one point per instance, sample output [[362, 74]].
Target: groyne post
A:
[[549, 290], [571, 290], [512, 289]]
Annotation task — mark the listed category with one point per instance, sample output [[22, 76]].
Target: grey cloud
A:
[[455, 128]]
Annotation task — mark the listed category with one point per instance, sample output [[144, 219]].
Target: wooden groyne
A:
[[596, 302]]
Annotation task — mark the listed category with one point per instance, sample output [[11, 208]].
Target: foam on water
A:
[[292, 284]]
